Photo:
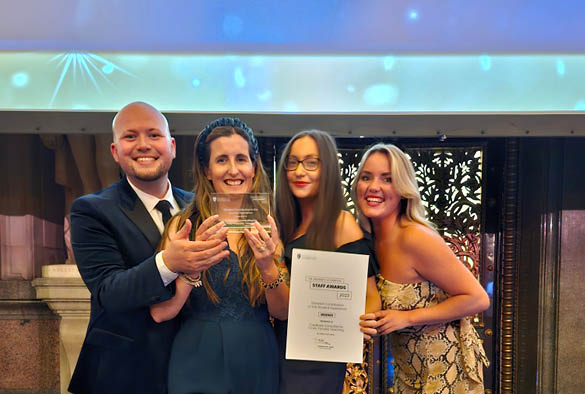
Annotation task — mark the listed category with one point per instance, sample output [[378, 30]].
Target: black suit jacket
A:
[[114, 240]]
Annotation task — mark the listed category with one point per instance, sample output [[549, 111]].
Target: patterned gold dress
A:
[[440, 358]]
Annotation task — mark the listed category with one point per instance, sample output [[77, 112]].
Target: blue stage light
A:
[[413, 15], [108, 68], [580, 105], [485, 62], [257, 61], [560, 68], [20, 80], [290, 106], [489, 288], [388, 62], [380, 94], [265, 95], [239, 78], [195, 82]]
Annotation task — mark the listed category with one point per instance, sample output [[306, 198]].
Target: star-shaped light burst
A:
[[88, 65]]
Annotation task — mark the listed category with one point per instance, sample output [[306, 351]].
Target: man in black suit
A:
[[115, 233]]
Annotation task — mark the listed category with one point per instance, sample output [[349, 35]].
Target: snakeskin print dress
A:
[[439, 358]]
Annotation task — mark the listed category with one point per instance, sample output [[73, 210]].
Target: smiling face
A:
[[230, 169], [303, 183], [142, 145], [375, 192]]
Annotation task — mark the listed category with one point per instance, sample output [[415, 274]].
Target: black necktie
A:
[[165, 208]]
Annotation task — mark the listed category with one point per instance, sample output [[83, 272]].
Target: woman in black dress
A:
[[311, 214]]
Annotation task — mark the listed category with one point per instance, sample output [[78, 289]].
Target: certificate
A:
[[327, 296]]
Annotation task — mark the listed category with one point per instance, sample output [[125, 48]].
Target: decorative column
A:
[[65, 293]]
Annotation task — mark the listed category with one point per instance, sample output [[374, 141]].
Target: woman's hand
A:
[[265, 247], [368, 325], [211, 228], [390, 320], [384, 322], [263, 244]]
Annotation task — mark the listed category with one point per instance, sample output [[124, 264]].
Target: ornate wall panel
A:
[[450, 183]]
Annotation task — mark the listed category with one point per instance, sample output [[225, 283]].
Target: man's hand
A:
[[182, 255]]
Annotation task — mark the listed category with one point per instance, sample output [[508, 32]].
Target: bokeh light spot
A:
[[560, 68], [20, 80], [108, 68], [388, 62], [485, 62], [239, 78], [290, 106], [380, 94], [265, 95]]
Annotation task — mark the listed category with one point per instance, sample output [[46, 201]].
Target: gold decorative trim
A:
[[508, 292], [358, 377]]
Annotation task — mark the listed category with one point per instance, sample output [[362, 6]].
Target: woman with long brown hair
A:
[[225, 342], [311, 213]]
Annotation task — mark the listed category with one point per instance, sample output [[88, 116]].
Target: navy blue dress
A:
[[225, 348], [314, 377]]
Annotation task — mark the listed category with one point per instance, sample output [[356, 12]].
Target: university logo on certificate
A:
[[327, 297]]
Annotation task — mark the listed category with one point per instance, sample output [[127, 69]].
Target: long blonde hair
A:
[[201, 206], [404, 182]]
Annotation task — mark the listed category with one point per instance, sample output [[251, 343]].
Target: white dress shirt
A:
[[149, 201]]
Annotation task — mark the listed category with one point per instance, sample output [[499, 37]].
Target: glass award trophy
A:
[[239, 211]]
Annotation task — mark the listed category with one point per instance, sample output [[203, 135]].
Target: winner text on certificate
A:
[[327, 296]]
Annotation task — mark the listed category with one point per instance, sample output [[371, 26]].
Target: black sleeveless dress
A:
[[314, 377]]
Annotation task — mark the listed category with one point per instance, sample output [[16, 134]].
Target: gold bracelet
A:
[[195, 282], [275, 284]]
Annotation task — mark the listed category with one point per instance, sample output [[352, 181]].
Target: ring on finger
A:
[[261, 248]]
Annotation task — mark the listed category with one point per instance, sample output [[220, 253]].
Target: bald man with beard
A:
[[115, 233]]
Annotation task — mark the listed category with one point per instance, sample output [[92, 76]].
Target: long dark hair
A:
[[201, 206], [329, 201]]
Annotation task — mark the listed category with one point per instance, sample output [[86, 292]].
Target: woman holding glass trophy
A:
[[225, 342]]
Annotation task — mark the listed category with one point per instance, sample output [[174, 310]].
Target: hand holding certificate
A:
[[327, 296]]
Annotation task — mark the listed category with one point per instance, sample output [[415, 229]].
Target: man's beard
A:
[[151, 175]]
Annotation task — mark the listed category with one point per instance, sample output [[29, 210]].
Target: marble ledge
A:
[[60, 271], [63, 290]]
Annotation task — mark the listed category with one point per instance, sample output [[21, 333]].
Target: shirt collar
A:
[[150, 201]]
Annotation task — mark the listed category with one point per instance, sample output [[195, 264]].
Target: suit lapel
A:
[[137, 213]]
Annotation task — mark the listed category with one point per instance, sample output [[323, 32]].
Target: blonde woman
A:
[[426, 291]]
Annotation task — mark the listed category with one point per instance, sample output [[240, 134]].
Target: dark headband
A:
[[222, 122]]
